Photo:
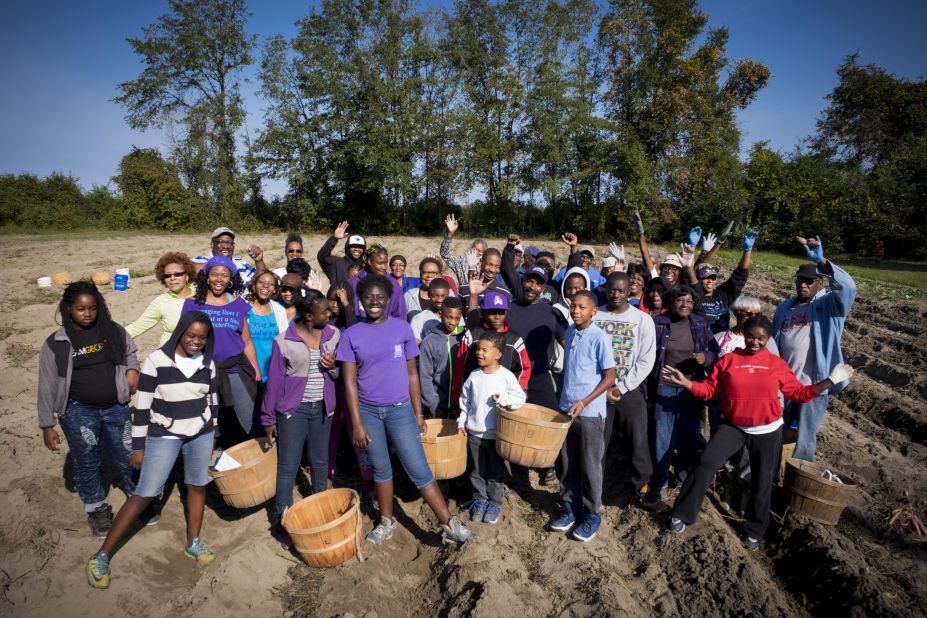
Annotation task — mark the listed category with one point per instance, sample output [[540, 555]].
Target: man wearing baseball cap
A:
[[715, 300], [580, 256], [223, 243], [808, 329], [528, 256], [335, 267]]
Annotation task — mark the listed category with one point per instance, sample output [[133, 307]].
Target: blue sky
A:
[[61, 61]]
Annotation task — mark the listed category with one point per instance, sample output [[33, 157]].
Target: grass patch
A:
[[299, 594], [19, 353], [8, 331], [36, 296]]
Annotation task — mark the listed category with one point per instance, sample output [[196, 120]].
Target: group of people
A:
[[250, 352]]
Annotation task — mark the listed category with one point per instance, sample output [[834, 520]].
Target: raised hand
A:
[[450, 222], [256, 253], [638, 224], [616, 251], [570, 240], [687, 255], [342, 295], [477, 286], [315, 281], [341, 230], [695, 235], [708, 242], [813, 248], [727, 231], [514, 239], [473, 260], [749, 239]]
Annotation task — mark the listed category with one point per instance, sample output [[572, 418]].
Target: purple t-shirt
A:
[[228, 321], [380, 352]]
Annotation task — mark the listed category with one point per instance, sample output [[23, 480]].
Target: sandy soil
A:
[[875, 433]]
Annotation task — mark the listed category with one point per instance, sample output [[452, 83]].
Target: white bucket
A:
[[44, 282], [121, 280]]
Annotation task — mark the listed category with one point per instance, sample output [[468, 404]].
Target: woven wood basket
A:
[[326, 527], [255, 482], [531, 436]]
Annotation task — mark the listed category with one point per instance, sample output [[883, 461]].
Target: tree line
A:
[[531, 115]]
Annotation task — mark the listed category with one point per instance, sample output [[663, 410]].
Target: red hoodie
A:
[[751, 385]]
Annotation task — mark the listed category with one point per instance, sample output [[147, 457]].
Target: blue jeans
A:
[[306, 428], [161, 455], [85, 428], [395, 425], [678, 429], [810, 416]]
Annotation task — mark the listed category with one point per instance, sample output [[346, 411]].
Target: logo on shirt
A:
[[796, 321], [397, 351], [93, 348]]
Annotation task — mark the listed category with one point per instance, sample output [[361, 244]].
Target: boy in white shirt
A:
[[487, 387]]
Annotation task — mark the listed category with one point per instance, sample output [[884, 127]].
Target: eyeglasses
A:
[[286, 288], [167, 276], [224, 243], [430, 272]]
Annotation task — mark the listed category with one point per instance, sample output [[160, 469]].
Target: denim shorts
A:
[[161, 455], [395, 426]]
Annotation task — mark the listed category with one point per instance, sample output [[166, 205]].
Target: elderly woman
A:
[[175, 271]]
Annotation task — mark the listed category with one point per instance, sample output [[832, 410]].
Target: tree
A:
[[193, 56], [152, 194]]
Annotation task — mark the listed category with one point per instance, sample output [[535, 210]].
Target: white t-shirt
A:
[[478, 410], [795, 342], [188, 366]]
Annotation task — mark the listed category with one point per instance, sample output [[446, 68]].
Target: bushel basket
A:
[[326, 527], [255, 481], [813, 496], [445, 448], [530, 436]]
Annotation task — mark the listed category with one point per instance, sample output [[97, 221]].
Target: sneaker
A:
[[566, 520], [587, 530], [549, 477], [101, 520], [751, 544], [676, 525], [492, 514], [199, 552], [98, 570], [478, 510], [383, 532], [454, 531], [150, 516]]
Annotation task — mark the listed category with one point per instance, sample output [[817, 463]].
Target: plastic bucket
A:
[[121, 280], [44, 282]]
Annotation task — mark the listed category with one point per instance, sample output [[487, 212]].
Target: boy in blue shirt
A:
[[589, 370]]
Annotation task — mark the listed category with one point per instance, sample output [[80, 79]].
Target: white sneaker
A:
[[383, 532]]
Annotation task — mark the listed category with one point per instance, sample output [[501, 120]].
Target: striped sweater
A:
[[169, 404]]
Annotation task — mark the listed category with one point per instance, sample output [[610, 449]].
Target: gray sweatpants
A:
[[581, 464]]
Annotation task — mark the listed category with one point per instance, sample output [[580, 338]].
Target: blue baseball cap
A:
[[494, 300], [538, 272]]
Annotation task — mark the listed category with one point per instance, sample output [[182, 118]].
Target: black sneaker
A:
[[101, 520]]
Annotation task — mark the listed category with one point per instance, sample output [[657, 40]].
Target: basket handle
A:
[[355, 501]]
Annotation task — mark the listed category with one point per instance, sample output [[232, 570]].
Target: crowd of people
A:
[[641, 356]]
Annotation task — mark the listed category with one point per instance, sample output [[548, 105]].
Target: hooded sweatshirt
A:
[[440, 362], [562, 305], [176, 400], [335, 267]]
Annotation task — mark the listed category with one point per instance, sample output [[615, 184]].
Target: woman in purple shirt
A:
[[381, 387], [375, 263]]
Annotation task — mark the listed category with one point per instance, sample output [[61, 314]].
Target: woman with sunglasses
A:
[[175, 271], [292, 248], [714, 299]]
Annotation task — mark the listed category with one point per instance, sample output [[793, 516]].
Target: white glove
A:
[[840, 373], [473, 259], [616, 251], [686, 255], [708, 242]]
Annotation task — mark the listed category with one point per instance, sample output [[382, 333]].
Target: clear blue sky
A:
[[60, 63]]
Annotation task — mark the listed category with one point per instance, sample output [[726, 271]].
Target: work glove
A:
[[749, 240]]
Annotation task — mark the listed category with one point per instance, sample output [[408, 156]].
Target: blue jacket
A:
[[828, 313], [704, 342]]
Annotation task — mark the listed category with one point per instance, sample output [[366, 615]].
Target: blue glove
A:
[[815, 253], [749, 240], [695, 235]]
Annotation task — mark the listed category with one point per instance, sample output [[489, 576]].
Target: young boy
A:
[[589, 370], [440, 361], [489, 386], [427, 319]]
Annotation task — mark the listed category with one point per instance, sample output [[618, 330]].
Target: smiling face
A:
[[709, 284], [375, 301], [334, 309], [617, 293], [437, 296], [573, 284], [193, 340], [428, 272], [637, 285], [175, 277], [223, 245], [355, 252], [450, 318], [492, 264], [378, 263], [682, 306], [218, 280], [670, 273], [289, 286], [755, 340], [84, 310], [582, 309], [487, 353], [265, 287], [397, 269], [532, 288], [585, 259], [293, 250]]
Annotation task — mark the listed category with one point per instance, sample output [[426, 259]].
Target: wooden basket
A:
[[531, 436], [255, 481], [101, 277], [326, 527], [813, 496], [789, 442], [445, 448], [62, 278]]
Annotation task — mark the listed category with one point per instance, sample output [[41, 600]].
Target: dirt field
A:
[[868, 565]]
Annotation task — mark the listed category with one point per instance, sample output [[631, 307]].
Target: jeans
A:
[[306, 428], [581, 464], [85, 427], [161, 455], [245, 410], [631, 414], [810, 416], [488, 472], [395, 426], [678, 429], [764, 452]]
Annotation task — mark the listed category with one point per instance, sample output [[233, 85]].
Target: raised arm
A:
[[509, 273], [642, 242]]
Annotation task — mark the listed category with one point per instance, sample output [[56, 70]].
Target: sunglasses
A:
[[286, 288], [167, 276], [712, 277], [297, 251], [749, 314]]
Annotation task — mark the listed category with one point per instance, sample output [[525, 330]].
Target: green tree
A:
[[193, 58], [152, 194]]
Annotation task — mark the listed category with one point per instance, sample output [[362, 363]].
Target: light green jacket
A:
[[164, 310]]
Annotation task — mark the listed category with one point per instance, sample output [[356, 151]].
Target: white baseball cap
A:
[[356, 240]]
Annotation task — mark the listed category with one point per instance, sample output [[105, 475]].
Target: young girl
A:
[[176, 272], [300, 398], [267, 318], [375, 262], [175, 412], [218, 286], [384, 400], [88, 370]]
